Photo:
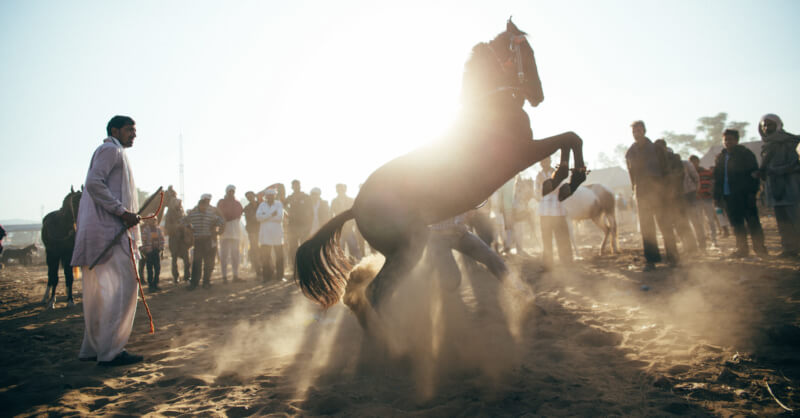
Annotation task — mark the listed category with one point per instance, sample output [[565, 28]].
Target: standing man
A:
[[704, 199], [691, 182], [205, 224], [270, 239], [108, 206], [231, 211], [179, 242], [553, 221], [320, 211], [252, 227], [339, 204], [152, 247], [781, 171], [647, 173], [298, 210], [545, 174], [735, 186]]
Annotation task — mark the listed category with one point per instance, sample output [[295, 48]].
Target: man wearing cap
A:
[[108, 206], [205, 224], [780, 170], [735, 186], [270, 237], [231, 211]]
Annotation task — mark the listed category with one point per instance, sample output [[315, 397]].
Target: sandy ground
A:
[[600, 338]]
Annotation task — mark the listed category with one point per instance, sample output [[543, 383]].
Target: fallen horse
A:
[[489, 144]]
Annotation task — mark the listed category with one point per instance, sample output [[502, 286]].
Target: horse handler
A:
[[108, 204]]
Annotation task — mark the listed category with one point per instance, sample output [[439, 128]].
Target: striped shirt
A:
[[203, 223], [152, 238]]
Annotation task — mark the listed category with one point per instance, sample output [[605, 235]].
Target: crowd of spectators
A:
[[274, 226], [680, 198]]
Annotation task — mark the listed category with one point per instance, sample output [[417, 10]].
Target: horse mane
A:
[[483, 71], [67, 201], [481, 62]]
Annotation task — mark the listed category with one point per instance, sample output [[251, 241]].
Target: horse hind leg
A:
[[612, 220], [355, 296], [53, 262], [398, 264], [598, 220], [68, 277]]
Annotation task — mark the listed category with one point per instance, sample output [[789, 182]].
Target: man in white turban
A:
[[109, 205]]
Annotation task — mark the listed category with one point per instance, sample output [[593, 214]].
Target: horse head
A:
[[71, 203], [505, 63]]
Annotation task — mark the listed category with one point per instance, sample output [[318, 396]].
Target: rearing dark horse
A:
[[58, 236], [490, 143]]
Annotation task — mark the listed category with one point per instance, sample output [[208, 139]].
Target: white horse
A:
[[595, 202]]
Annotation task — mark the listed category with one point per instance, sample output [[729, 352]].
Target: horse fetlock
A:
[[47, 293]]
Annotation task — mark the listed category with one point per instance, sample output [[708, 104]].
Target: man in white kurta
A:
[[270, 236], [108, 205]]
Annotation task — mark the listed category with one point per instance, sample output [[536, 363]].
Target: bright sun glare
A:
[[376, 98]]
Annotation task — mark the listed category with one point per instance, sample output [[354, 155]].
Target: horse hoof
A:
[[70, 303], [578, 177], [561, 173]]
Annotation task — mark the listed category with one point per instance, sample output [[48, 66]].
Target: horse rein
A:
[[515, 60]]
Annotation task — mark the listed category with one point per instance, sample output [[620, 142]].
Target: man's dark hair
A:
[[295, 181], [118, 122], [660, 141], [732, 132], [694, 158], [639, 123]]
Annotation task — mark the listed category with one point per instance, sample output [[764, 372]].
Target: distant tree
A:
[[619, 154], [683, 144], [708, 134], [604, 161], [710, 129]]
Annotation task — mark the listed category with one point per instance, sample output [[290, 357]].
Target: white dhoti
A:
[[109, 306]]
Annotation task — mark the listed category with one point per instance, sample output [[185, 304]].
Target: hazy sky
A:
[[326, 91]]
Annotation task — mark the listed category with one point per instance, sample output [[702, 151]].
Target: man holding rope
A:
[[109, 204]]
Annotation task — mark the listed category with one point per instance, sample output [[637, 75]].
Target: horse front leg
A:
[[68, 277], [53, 262], [537, 150]]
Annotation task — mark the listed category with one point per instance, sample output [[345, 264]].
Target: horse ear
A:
[[513, 29], [81, 188], [71, 189]]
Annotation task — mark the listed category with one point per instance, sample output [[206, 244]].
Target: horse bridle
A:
[[72, 211], [514, 60]]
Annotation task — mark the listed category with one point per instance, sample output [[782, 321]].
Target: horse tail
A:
[[321, 266]]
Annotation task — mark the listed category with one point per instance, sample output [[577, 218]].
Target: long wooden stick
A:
[[124, 228]]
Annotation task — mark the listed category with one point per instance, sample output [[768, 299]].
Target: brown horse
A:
[[58, 236], [490, 143]]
